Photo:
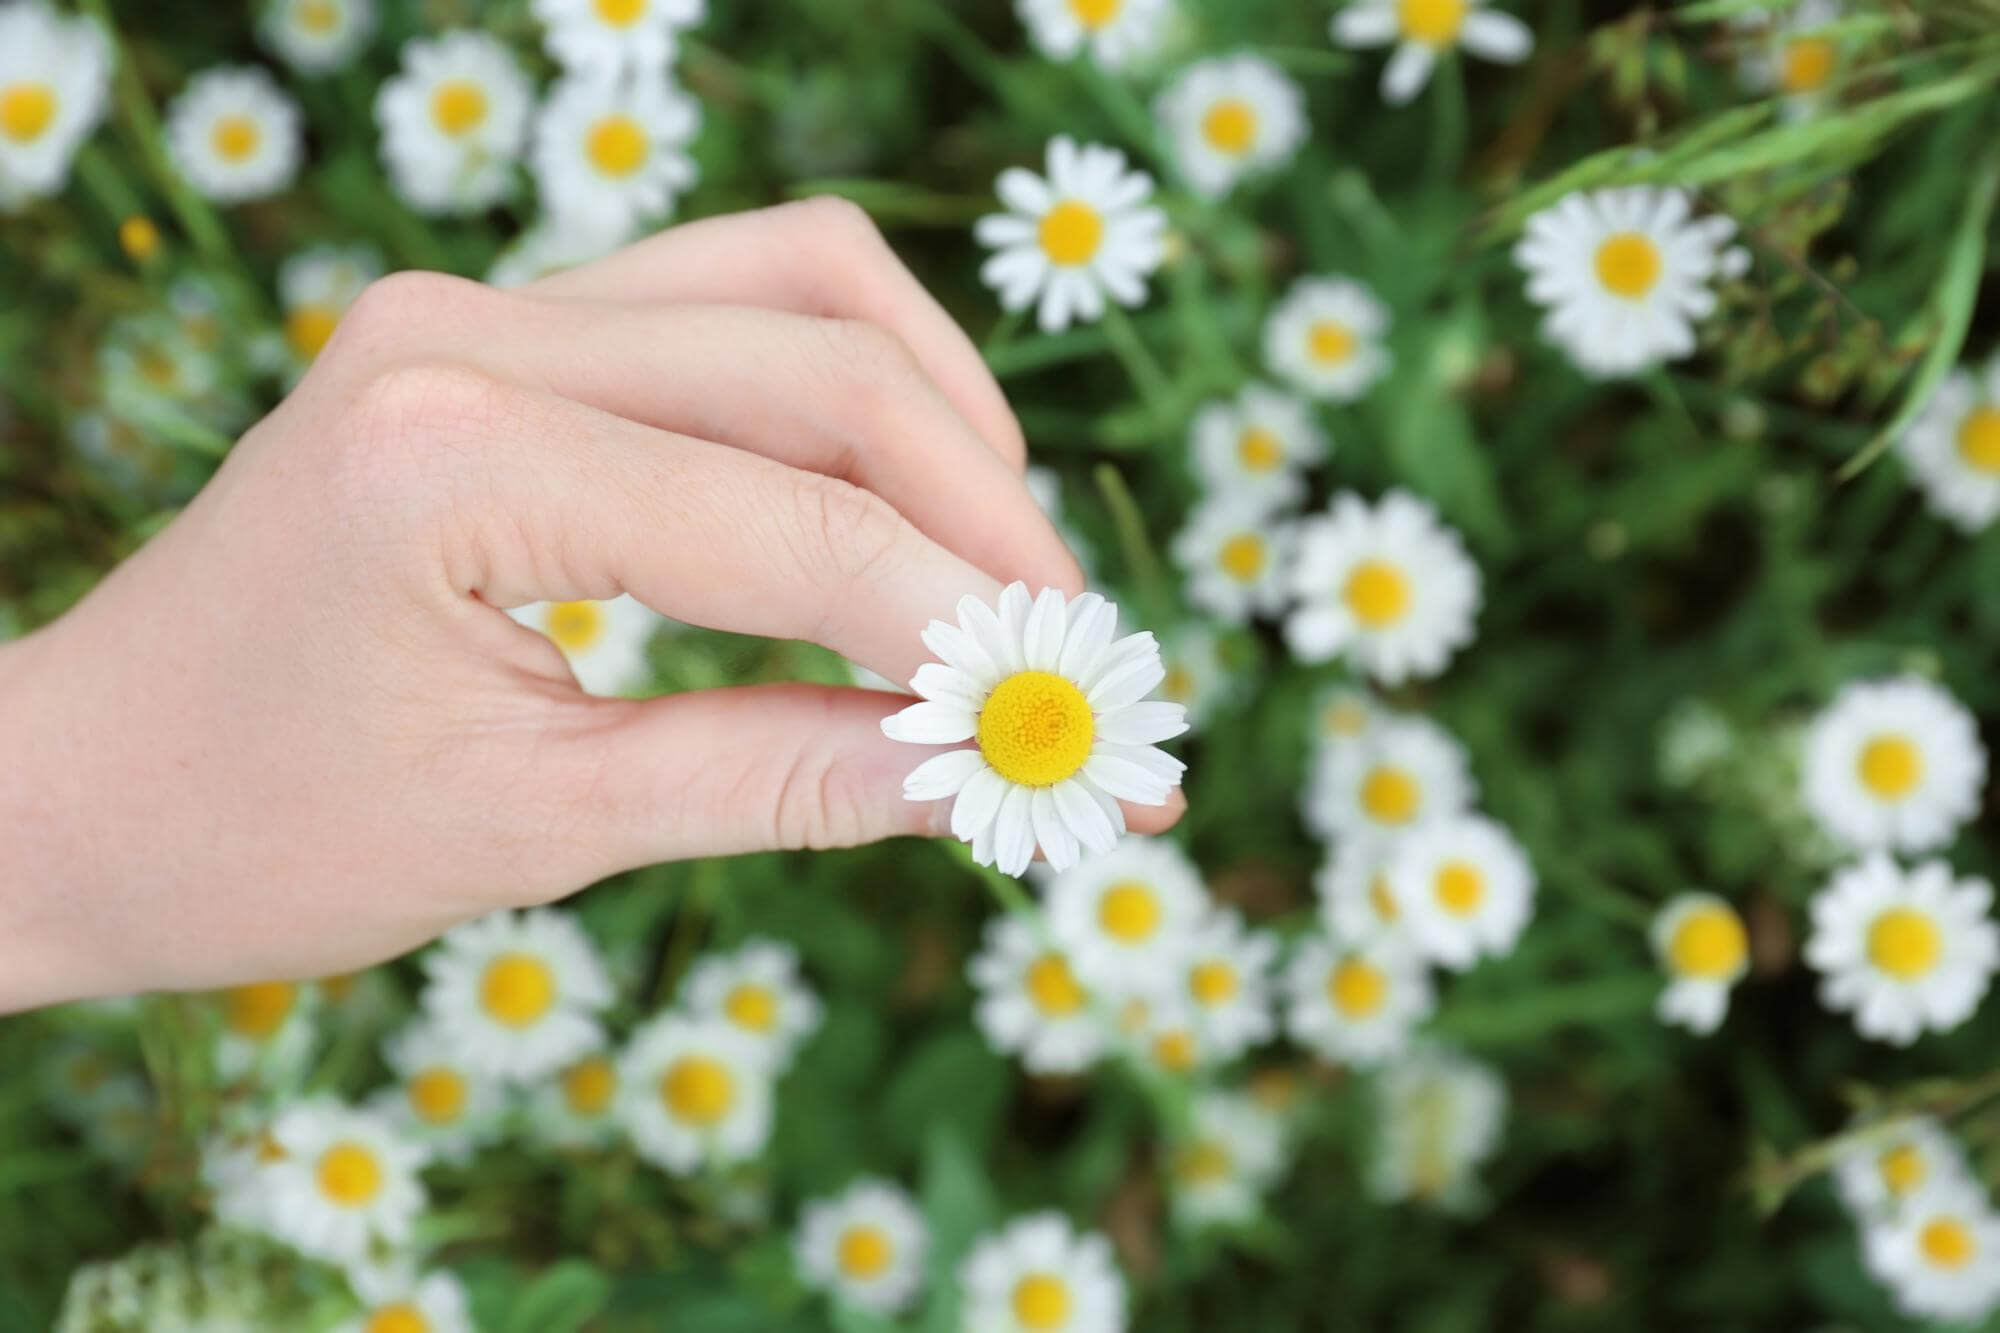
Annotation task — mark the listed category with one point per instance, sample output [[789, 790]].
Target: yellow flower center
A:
[[1979, 439], [698, 1089], [1433, 22], [1709, 942], [1212, 983], [1628, 264], [1230, 126], [139, 238], [1389, 795], [1904, 943], [1330, 342], [349, 1174], [1052, 986], [1178, 684], [1041, 1300], [1035, 729], [1242, 557], [1377, 594], [574, 626], [1344, 717], [458, 106], [1946, 1242], [1460, 888], [1807, 64], [235, 138], [1891, 766], [617, 146], [1071, 232], [26, 109], [437, 1096], [588, 1085], [518, 989], [1383, 901], [1174, 1051], [256, 1011], [401, 1317], [307, 329], [621, 13], [1356, 987], [1259, 450], [1902, 1169], [1095, 14], [1128, 911], [321, 16], [1203, 1163], [157, 368], [865, 1251], [752, 1006]]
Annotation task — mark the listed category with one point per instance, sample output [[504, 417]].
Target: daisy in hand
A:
[[1423, 30]]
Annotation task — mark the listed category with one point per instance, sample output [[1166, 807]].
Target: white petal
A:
[[948, 685], [1365, 25], [1407, 72], [1105, 802], [1042, 635], [931, 724], [1125, 780], [1083, 816], [978, 801], [1089, 632], [954, 647], [1014, 833], [1127, 684], [943, 776], [1495, 36], [1059, 845], [985, 628], [1143, 723]]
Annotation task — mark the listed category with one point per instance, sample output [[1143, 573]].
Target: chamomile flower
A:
[[1355, 900], [1704, 950], [402, 1302], [606, 38], [1126, 918], [1406, 772], [1905, 950], [437, 1099], [1031, 1003], [234, 134], [268, 1029], [863, 1246], [1939, 1253], [1236, 558], [1893, 764], [1227, 983], [1356, 1003], [1197, 678], [317, 36], [315, 287], [1344, 714], [1881, 1168], [453, 121], [147, 361], [344, 1185], [1231, 1153], [694, 1092], [1039, 1274], [79, 1077], [1257, 446], [1386, 586], [577, 1106], [55, 71], [603, 642], [1160, 1032], [1465, 890], [519, 993], [1114, 32], [1789, 54], [757, 990], [1084, 231], [1054, 703], [1325, 338], [1439, 1117], [1952, 449], [614, 152], [1424, 30], [1231, 117], [1624, 273]]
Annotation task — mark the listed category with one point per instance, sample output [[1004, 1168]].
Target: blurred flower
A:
[[123, 1122], [1230, 1155], [453, 122], [1440, 1116], [406, 1303], [694, 1093], [234, 134], [519, 993], [147, 360], [345, 1189], [269, 1029], [1694, 739], [550, 246], [614, 154], [1236, 558], [1704, 950], [1257, 446], [577, 1106], [317, 36], [1939, 1253], [79, 1076], [1115, 32], [1789, 55], [1345, 714], [1230, 117], [55, 72], [1126, 918], [1355, 902], [438, 1099], [603, 642], [1197, 678], [1325, 338], [1952, 449], [1893, 763], [1030, 1003], [1227, 983], [758, 990], [1423, 30], [1356, 1003], [1039, 1274], [1880, 1169], [1464, 889], [1406, 773], [604, 39], [864, 1246], [315, 287]]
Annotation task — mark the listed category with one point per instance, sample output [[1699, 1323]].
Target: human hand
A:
[[296, 734]]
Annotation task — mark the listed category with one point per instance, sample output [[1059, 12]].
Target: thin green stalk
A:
[[1141, 560], [1148, 376], [1448, 123], [1003, 333]]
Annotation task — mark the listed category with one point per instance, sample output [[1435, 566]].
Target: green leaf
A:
[[561, 1300]]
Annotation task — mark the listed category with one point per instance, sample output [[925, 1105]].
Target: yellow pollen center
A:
[[1329, 342], [349, 1174], [1377, 594], [752, 1006], [1230, 126], [307, 329], [574, 626], [1036, 729], [1807, 64], [621, 13], [1709, 942], [1242, 557], [518, 989], [588, 1085], [1094, 14], [865, 1251], [1259, 450], [1946, 1242], [1902, 1169], [698, 1089], [1041, 1300], [1904, 943], [617, 146], [1432, 22], [1174, 1051], [1383, 901], [1389, 795], [1128, 911], [139, 238], [437, 1096], [1357, 988], [256, 1011], [1212, 983], [1178, 683], [458, 106], [26, 109], [1460, 888], [1891, 767], [321, 16], [399, 1318], [1628, 265], [235, 138], [1203, 1163], [1071, 232], [1052, 986], [1979, 439]]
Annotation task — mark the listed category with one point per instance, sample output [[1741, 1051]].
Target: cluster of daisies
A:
[[1929, 1231]]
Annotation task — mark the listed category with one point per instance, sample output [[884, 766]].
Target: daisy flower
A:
[[1884, 1166], [1126, 918], [317, 36], [614, 153], [1424, 30], [1257, 446], [1069, 238], [1228, 983], [1236, 558], [344, 1189], [1939, 1253], [315, 287], [1325, 338], [55, 72], [1161, 1033], [1039, 1274], [1115, 32], [401, 1302], [78, 1077], [1952, 449], [234, 134], [1232, 1151], [519, 993], [1230, 117], [863, 1246], [694, 1092], [1344, 714], [1030, 1003], [269, 1028], [756, 989], [1355, 900], [453, 120], [1358, 1003], [606, 38], [1439, 1117], [438, 1100], [1465, 889], [1624, 273], [147, 360], [1054, 703], [577, 1106], [1407, 772], [1893, 764], [1905, 950], [603, 642], [1790, 55], [1387, 586], [1704, 950], [1197, 678]]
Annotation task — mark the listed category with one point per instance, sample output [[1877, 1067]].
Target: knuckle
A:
[[839, 221], [844, 532], [410, 414], [875, 370], [391, 306], [819, 804]]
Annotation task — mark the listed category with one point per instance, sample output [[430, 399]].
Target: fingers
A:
[[818, 257]]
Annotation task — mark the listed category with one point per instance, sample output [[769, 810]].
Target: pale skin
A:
[[295, 734]]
